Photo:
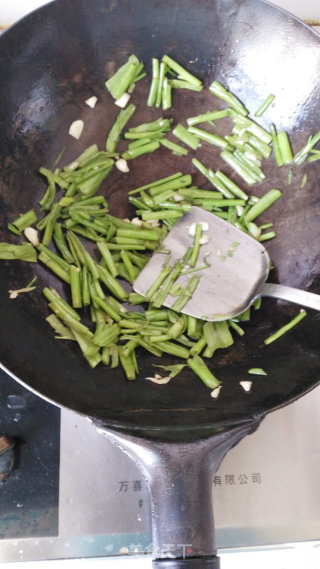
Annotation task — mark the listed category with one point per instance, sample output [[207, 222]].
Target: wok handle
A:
[[187, 563], [179, 477], [295, 295]]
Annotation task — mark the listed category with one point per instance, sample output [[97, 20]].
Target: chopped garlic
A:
[[14, 293], [192, 227], [32, 235], [122, 165], [159, 380], [76, 128], [204, 240], [178, 197], [92, 101], [216, 392], [154, 222], [136, 221], [123, 100], [246, 385]]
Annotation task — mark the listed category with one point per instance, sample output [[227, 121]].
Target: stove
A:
[[71, 493], [66, 492]]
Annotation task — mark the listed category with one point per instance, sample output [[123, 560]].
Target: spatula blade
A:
[[237, 267]]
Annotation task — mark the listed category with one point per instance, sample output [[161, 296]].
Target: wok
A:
[[50, 63]]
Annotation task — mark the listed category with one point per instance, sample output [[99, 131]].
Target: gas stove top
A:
[[72, 493]]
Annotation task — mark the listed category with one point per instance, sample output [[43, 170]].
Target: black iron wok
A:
[[50, 63]]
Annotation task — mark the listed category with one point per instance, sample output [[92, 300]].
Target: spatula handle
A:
[[302, 297]]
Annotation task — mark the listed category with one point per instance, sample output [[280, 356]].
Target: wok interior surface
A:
[[50, 63]]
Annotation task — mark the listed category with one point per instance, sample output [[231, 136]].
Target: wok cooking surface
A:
[[45, 83]]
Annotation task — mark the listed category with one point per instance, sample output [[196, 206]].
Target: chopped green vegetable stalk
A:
[[53, 296], [23, 252], [208, 117], [152, 129], [304, 180], [284, 329], [106, 335], [107, 257], [128, 363], [181, 71], [276, 146], [220, 91], [154, 83], [241, 169], [186, 294], [285, 147], [158, 282], [214, 139], [64, 332], [182, 84], [197, 364], [172, 369], [266, 201], [231, 185], [75, 284], [142, 149], [167, 180], [124, 77], [265, 105], [61, 243], [162, 74], [166, 94], [185, 136], [175, 148], [174, 349], [216, 335], [25, 220], [51, 220], [116, 130], [301, 156], [196, 245]]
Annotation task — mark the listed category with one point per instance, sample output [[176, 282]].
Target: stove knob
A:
[[6, 456]]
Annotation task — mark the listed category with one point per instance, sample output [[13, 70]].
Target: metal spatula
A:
[[234, 269]]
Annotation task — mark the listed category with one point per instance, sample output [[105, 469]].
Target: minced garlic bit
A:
[[159, 380], [123, 100], [192, 227], [136, 221], [15, 293], [76, 128], [122, 165], [92, 101], [216, 392], [178, 197], [154, 222], [204, 240], [246, 385], [32, 235]]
